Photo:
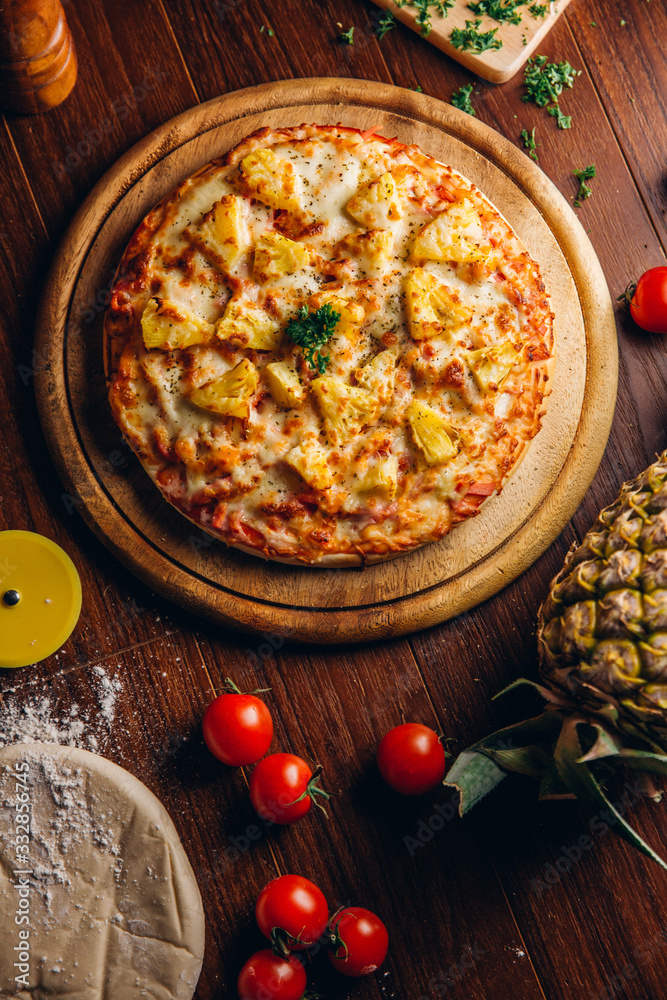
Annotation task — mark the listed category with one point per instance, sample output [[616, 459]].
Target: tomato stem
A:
[[627, 296], [312, 790], [281, 941], [233, 689], [335, 940]]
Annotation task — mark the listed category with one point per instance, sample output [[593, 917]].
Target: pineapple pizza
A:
[[327, 348]]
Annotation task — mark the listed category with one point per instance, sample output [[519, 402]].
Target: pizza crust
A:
[[112, 901]]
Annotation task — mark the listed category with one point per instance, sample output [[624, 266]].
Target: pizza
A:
[[327, 348]]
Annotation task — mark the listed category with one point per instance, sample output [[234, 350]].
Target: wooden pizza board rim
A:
[[399, 615]]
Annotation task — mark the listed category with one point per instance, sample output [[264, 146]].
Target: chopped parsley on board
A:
[[425, 9], [386, 24], [585, 191], [530, 143], [471, 39], [503, 11], [310, 331], [564, 121], [461, 99]]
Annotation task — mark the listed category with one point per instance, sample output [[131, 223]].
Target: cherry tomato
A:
[[292, 912], [238, 728], [266, 976], [648, 304], [283, 788], [359, 941], [411, 759]]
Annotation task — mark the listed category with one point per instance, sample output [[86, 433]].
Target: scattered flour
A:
[[36, 719]]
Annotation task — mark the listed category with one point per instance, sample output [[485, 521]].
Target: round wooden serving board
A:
[[117, 499]]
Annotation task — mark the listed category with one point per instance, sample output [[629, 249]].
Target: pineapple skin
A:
[[602, 631]]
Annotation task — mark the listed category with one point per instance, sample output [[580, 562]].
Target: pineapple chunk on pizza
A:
[[309, 459], [431, 433], [352, 314], [378, 376], [246, 324], [230, 228], [284, 384], [370, 250], [433, 309], [455, 235], [272, 180], [345, 408], [230, 394], [171, 327], [381, 477], [276, 256], [490, 366], [377, 205]]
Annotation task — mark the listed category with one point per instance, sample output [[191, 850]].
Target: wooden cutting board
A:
[[106, 484], [519, 41]]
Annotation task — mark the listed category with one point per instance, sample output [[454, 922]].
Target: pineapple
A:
[[431, 434], [602, 638], [309, 459], [377, 204], [172, 327], [245, 324], [276, 256], [433, 310], [230, 230], [230, 394], [271, 180], [379, 376], [455, 235], [351, 314], [284, 384], [490, 366], [381, 477], [345, 408], [371, 250]]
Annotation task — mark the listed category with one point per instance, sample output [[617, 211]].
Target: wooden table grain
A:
[[502, 905]]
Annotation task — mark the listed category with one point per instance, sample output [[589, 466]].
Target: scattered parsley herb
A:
[[311, 331], [584, 192], [594, 24], [564, 121], [270, 32], [347, 36], [539, 9], [471, 39], [530, 143], [623, 23], [544, 81], [524, 40], [418, 89], [461, 99], [386, 24], [425, 9], [503, 11]]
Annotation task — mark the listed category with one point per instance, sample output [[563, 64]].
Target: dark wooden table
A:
[[481, 908]]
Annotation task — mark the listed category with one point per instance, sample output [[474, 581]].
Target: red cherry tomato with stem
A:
[[359, 941], [265, 975], [238, 728], [283, 788], [411, 759], [292, 912], [648, 300]]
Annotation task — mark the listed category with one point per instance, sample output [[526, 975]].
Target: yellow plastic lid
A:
[[40, 598]]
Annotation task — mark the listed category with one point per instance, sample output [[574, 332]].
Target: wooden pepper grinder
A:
[[37, 58]]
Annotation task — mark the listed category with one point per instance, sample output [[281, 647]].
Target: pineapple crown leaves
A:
[[572, 753]]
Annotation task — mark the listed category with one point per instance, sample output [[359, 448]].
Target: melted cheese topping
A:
[[438, 362]]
